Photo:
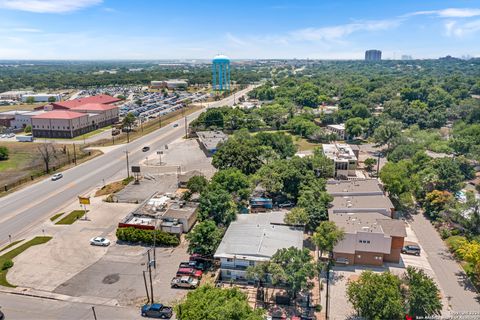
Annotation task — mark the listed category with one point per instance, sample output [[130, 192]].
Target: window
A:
[[251, 263], [229, 260]]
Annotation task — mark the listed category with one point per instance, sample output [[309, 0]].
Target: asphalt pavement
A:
[[22, 209]]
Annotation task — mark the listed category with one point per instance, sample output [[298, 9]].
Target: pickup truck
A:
[[157, 310], [184, 282], [189, 272]]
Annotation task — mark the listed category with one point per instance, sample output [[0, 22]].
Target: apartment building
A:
[[345, 159], [252, 239]]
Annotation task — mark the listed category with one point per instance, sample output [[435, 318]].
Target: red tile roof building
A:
[[69, 104]]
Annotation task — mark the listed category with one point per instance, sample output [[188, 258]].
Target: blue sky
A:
[[161, 29]]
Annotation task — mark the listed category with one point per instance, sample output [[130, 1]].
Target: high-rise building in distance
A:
[[373, 55]]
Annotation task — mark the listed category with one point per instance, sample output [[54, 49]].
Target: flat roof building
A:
[[344, 158], [363, 203], [254, 238], [210, 140], [169, 84], [367, 187], [42, 97], [338, 129], [14, 94]]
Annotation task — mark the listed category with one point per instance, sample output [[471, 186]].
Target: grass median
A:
[[15, 252], [11, 245], [72, 217], [55, 217]]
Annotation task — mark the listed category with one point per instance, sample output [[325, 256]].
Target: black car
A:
[[145, 149], [411, 249]]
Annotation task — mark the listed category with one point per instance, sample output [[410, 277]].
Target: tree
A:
[[422, 296], [216, 203], [48, 154], [30, 100], [396, 177], [121, 97], [197, 184], [354, 127], [327, 235], [214, 118], [233, 181], [280, 142], [204, 238], [3, 153], [436, 201], [52, 99], [386, 133], [369, 163], [296, 216], [315, 200], [376, 296], [294, 268], [208, 302], [28, 129]]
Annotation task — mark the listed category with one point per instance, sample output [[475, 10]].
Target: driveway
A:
[[460, 293]]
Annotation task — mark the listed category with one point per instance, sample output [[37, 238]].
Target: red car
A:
[[189, 272]]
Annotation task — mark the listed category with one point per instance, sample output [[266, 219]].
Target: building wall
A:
[[6, 122], [368, 258], [396, 248], [349, 257], [234, 269]]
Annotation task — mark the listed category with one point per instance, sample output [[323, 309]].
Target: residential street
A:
[[452, 278]]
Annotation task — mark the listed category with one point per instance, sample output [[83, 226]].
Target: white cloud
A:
[[48, 6], [235, 41], [460, 30], [340, 31], [449, 13], [29, 30]]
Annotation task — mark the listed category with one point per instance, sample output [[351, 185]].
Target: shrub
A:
[[127, 180], [445, 233], [7, 264], [146, 237], [455, 242], [3, 153]]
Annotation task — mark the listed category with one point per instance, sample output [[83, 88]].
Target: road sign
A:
[[136, 169], [84, 200]]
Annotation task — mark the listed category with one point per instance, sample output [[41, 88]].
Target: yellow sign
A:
[[83, 200]]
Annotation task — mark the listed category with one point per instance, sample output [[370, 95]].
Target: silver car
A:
[[100, 241], [57, 176]]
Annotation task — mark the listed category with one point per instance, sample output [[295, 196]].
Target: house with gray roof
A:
[[253, 239]]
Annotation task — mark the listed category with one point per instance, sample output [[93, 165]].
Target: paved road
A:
[[21, 210], [450, 275], [16, 307]]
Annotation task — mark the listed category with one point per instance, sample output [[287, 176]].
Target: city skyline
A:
[[96, 29]]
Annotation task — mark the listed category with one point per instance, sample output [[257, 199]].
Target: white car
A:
[[100, 241], [57, 176]]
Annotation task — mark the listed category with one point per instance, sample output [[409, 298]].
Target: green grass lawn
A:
[[11, 245], [16, 159], [72, 217], [15, 252], [55, 217]]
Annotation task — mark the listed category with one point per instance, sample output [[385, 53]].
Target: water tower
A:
[[221, 73]]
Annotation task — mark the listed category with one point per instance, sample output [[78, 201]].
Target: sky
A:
[[246, 29]]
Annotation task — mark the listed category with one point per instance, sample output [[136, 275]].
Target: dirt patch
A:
[[111, 278]]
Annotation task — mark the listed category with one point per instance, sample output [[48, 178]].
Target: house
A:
[[370, 238], [338, 129], [253, 239], [181, 212], [344, 158], [210, 140]]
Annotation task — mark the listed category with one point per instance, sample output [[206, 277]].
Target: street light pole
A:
[[128, 165]]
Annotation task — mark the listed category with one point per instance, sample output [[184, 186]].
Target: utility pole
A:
[[327, 298], [186, 128], [378, 166], [146, 288], [128, 165], [150, 275], [74, 154], [94, 314], [159, 121]]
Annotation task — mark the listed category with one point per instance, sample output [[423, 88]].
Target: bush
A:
[[146, 237], [455, 242], [445, 233], [7, 264], [127, 180], [3, 153]]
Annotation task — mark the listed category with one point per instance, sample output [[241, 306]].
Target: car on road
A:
[[189, 272], [100, 241], [175, 125], [157, 310], [411, 249], [57, 176], [145, 149], [184, 282]]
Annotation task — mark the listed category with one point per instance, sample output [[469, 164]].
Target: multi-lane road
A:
[[23, 209]]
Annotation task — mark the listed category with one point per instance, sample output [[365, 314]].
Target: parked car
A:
[[157, 310], [145, 149], [57, 176], [100, 241], [411, 249], [192, 264], [184, 282], [175, 125], [189, 272], [199, 259]]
